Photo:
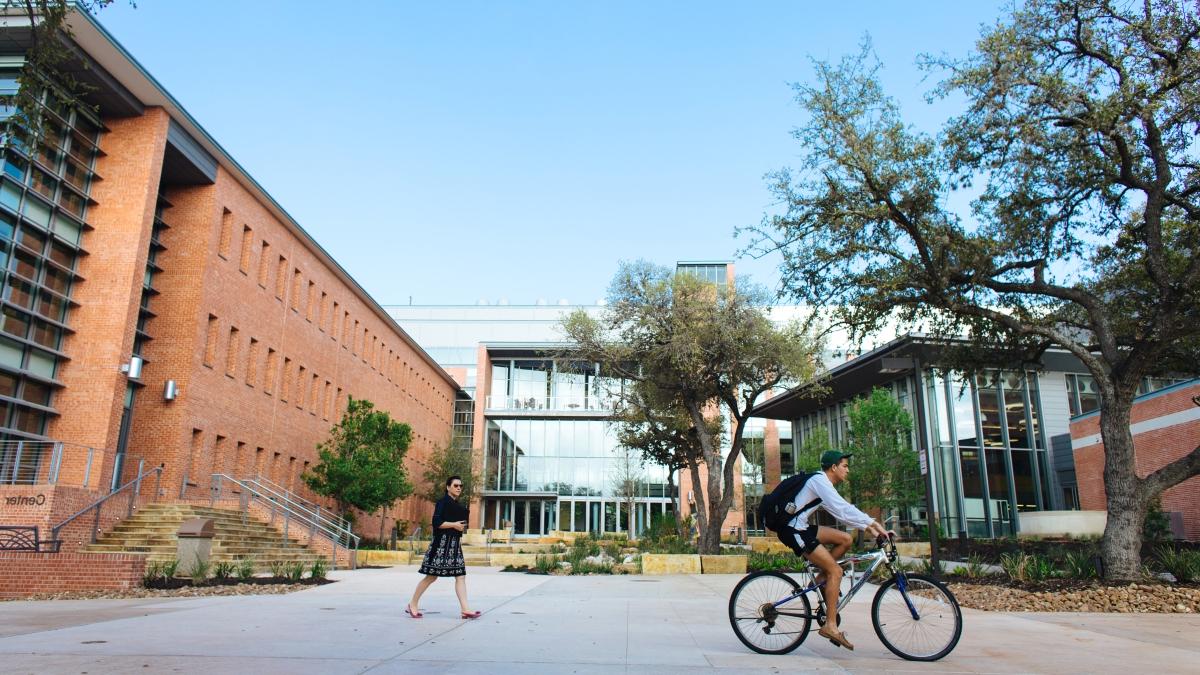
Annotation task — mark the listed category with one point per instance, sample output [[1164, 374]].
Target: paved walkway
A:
[[537, 624]]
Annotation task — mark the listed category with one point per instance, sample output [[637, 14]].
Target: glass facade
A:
[[548, 384], [44, 197], [991, 459], [551, 456], [713, 273]]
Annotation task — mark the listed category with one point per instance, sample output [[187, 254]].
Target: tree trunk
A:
[[701, 512], [674, 502], [1121, 548]]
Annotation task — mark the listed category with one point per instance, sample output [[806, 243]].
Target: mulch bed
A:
[[1065, 595], [185, 589]]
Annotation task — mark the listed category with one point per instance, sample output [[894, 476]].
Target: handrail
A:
[[136, 482], [316, 525], [290, 498], [271, 486]]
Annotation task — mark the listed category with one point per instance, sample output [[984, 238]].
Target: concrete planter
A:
[[767, 545], [666, 563], [913, 549], [723, 564], [1062, 523], [514, 559], [384, 558]]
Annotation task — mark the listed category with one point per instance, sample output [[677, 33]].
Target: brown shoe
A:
[[835, 636]]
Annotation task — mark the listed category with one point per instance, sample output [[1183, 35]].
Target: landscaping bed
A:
[[1069, 595], [265, 586]]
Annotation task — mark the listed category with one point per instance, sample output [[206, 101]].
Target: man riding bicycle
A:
[[805, 538]]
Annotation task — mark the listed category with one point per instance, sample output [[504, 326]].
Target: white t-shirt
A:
[[819, 493]]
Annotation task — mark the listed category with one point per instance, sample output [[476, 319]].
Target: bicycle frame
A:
[[876, 559]]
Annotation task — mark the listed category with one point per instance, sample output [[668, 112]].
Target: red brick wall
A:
[[23, 574], [226, 303], [1154, 449]]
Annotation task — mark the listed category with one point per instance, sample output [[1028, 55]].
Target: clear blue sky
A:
[[453, 151]]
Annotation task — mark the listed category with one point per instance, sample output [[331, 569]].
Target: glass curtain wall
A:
[[569, 472], [547, 384], [44, 196], [990, 454]]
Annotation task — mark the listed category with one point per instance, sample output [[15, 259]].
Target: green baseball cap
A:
[[831, 457]]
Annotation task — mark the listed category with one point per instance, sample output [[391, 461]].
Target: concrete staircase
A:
[[152, 531]]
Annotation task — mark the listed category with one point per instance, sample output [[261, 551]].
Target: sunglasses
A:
[[457, 485]]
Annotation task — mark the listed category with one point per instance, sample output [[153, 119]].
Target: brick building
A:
[[161, 309], [1166, 426]]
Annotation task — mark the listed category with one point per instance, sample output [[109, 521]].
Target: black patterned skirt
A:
[[444, 557]]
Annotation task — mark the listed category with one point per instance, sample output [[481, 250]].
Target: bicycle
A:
[[914, 615]]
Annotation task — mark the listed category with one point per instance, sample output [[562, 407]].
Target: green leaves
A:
[[362, 463]]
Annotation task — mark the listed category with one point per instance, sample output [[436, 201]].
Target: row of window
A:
[[44, 195], [217, 454], [317, 306], [1084, 397]]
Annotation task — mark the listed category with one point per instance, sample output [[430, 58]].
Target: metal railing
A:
[[555, 403], [291, 511], [133, 488], [284, 494]]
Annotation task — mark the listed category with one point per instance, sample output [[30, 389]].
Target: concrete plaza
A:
[[537, 624]]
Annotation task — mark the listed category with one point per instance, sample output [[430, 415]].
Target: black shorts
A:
[[802, 542]]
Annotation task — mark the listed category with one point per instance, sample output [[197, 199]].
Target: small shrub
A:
[[546, 564], [152, 574], [1014, 566], [1040, 568], [279, 568], [224, 570], [244, 568], [1156, 526], [974, 568], [959, 571], [319, 569], [1079, 565], [200, 570], [1183, 565], [926, 566], [170, 568], [295, 571], [781, 562]]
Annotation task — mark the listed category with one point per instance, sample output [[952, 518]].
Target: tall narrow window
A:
[[226, 234], [311, 300], [337, 405], [252, 363], [333, 321], [197, 453], [219, 459], [210, 341], [272, 371], [313, 394], [321, 311], [281, 277], [286, 390], [346, 331], [327, 404], [300, 382], [297, 280], [264, 262], [247, 249], [239, 459], [231, 353]]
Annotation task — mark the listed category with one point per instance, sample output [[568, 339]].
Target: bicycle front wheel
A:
[[769, 614], [916, 617]]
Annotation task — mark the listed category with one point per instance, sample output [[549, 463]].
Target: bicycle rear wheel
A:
[[761, 622], [918, 619]]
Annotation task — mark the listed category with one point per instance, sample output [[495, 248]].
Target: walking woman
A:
[[445, 557]]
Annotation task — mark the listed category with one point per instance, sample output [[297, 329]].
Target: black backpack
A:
[[771, 510]]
